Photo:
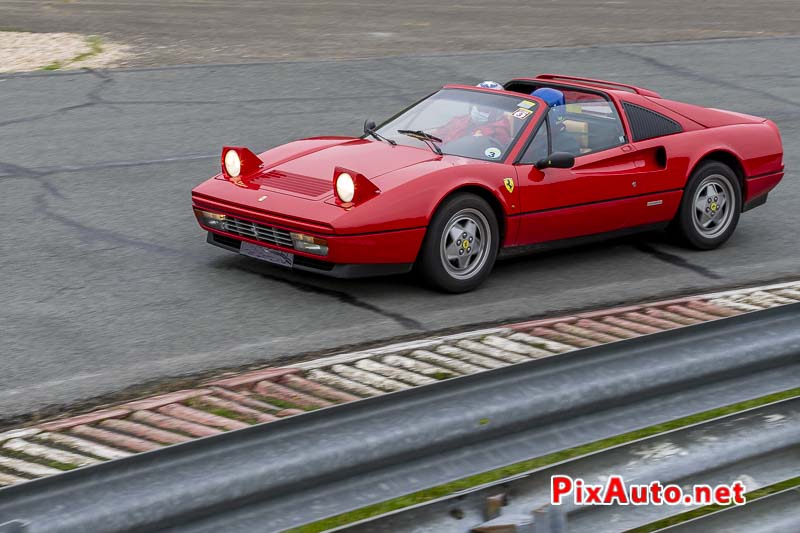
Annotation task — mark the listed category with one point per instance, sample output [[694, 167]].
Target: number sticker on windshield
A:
[[522, 113], [493, 152]]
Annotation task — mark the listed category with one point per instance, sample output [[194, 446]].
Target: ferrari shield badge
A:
[[509, 183]]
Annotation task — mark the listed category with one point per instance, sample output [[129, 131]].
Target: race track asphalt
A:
[[107, 281]]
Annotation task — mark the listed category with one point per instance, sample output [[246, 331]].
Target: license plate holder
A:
[[269, 255]]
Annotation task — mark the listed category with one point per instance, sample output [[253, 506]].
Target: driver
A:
[[561, 139], [481, 121]]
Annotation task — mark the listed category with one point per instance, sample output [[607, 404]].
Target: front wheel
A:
[[710, 207], [460, 245]]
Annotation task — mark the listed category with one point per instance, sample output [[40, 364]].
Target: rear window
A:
[[648, 124]]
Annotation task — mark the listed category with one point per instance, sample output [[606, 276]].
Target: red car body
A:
[[635, 185]]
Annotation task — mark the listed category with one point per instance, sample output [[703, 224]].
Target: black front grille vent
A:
[[258, 232]]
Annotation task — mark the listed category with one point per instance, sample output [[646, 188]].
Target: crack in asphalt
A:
[[676, 260], [343, 297], [58, 292], [92, 96], [126, 164], [90, 234], [12, 170], [279, 99], [689, 73], [9, 170], [95, 99], [31, 118]]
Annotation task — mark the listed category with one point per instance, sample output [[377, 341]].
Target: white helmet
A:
[[488, 84]]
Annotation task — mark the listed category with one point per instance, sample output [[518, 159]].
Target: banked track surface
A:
[[293, 471]]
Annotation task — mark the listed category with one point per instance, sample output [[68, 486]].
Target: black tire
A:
[[454, 217], [710, 182]]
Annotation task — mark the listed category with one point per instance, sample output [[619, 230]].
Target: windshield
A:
[[471, 124]]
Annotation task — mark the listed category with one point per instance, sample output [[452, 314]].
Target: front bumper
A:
[[348, 256], [320, 266]]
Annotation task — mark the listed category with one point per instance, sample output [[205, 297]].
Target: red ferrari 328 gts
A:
[[470, 174]]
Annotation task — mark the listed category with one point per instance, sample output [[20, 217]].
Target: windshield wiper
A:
[[369, 129], [427, 138]]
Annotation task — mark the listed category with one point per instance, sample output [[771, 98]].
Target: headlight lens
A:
[[233, 165], [307, 243], [345, 187], [210, 220]]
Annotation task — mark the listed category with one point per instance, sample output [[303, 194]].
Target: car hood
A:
[[309, 172]]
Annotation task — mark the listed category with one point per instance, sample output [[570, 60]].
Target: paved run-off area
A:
[[237, 400], [108, 281], [239, 31]]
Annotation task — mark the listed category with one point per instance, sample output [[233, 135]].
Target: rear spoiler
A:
[[600, 83]]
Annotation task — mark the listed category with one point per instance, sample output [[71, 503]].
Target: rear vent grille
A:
[[258, 232], [647, 124], [303, 185]]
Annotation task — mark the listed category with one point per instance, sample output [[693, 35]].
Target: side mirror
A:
[[369, 125], [556, 160]]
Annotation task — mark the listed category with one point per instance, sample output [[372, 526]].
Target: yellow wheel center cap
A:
[[465, 244], [714, 207]]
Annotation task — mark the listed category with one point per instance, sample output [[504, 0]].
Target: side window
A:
[[588, 123], [538, 148]]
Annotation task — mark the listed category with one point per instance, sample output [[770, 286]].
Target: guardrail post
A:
[[549, 519]]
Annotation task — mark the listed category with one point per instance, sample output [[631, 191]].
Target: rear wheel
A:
[[710, 207], [460, 245]]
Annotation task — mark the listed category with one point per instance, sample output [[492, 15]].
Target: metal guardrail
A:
[[777, 512], [759, 447], [297, 470]]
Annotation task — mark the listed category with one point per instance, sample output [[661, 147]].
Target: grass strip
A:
[[708, 509], [55, 65], [95, 47], [199, 404], [283, 404], [446, 489]]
